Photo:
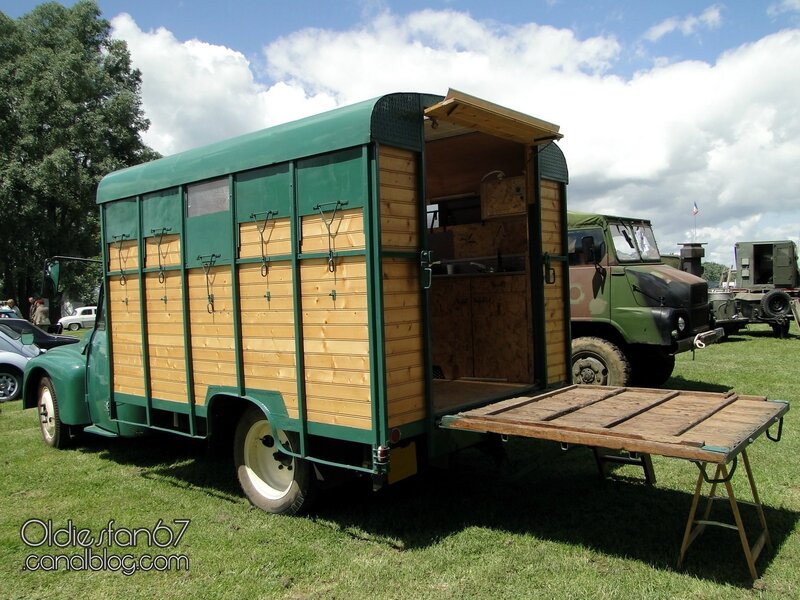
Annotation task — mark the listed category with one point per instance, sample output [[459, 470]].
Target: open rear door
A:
[[700, 426], [462, 110]]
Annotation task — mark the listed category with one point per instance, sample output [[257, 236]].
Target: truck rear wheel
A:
[[272, 480], [596, 361], [54, 432]]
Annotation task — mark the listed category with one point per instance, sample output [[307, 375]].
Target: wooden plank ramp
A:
[[702, 426]]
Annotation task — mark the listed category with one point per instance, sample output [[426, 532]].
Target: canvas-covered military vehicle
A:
[[630, 312], [767, 282]]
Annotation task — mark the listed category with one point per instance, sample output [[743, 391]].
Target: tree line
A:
[[70, 112]]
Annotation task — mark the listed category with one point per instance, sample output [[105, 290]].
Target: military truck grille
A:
[[699, 307]]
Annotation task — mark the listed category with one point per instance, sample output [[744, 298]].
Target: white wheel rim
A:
[[270, 477], [46, 412], [8, 386]]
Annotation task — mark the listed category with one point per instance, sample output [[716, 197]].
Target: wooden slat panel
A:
[[399, 198], [336, 341], [168, 246], [213, 349], [268, 335], [123, 256], [165, 335], [403, 330], [346, 231], [277, 234], [126, 344]]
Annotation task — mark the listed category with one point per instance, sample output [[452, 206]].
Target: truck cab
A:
[[630, 312]]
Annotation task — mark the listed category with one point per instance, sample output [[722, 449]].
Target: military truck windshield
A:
[[634, 242]]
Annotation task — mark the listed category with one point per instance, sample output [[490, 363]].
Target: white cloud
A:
[[710, 18], [195, 93], [725, 134], [784, 6]]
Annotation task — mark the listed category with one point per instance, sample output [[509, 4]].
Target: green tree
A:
[[70, 112], [712, 272]]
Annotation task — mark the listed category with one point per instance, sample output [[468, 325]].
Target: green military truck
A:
[[767, 282], [630, 312]]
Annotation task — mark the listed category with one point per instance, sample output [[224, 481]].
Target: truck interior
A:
[[478, 190]]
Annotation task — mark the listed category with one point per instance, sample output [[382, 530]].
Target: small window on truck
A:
[[575, 245], [207, 197]]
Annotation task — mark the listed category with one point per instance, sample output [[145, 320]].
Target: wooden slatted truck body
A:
[[283, 280]]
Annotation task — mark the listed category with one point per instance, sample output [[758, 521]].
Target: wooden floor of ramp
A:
[[701, 426]]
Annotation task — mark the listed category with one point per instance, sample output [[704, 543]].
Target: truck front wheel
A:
[[54, 432], [272, 480], [596, 361]]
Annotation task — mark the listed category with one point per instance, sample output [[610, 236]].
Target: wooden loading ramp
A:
[[706, 428]]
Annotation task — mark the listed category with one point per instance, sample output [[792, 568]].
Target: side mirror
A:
[[52, 270], [27, 338]]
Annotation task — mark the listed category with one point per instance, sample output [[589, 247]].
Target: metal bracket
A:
[[549, 271], [707, 479], [160, 233], [427, 272], [777, 438], [208, 264], [268, 214], [337, 204], [118, 239]]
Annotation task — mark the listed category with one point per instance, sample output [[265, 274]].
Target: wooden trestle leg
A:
[[695, 527]]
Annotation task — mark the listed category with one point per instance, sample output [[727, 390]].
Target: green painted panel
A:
[[336, 176], [262, 190], [162, 210], [121, 219], [209, 235]]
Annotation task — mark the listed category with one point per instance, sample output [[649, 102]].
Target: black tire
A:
[[271, 480], [54, 433], [596, 361], [651, 367], [74, 326], [776, 304], [10, 383]]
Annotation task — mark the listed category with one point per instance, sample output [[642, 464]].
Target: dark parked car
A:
[[41, 338]]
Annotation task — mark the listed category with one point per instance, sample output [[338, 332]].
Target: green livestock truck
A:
[[280, 288], [630, 312]]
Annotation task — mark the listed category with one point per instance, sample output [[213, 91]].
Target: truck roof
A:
[[582, 219], [393, 119]]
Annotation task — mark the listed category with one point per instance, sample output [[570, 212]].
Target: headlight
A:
[[681, 324]]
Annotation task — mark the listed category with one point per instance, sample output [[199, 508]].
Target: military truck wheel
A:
[[273, 481], [596, 361], [652, 367], [776, 304], [54, 433]]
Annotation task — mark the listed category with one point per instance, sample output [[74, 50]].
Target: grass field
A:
[[542, 525]]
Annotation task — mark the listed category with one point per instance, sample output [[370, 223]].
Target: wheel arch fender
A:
[[225, 407], [70, 388]]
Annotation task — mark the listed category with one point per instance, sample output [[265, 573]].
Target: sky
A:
[[663, 105]]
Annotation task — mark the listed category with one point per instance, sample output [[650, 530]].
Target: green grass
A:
[[540, 525]]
